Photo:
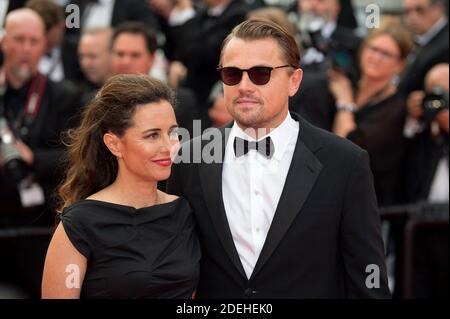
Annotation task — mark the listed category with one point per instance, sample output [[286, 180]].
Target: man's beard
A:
[[22, 73]]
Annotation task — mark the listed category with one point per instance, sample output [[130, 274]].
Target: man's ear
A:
[[295, 81], [112, 142]]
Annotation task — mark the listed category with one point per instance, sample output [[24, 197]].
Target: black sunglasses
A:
[[259, 75]]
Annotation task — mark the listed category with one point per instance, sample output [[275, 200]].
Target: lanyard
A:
[[32, 105]]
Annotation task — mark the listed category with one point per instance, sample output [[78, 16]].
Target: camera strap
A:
[[30, 111], [32, 106], [31, 193]]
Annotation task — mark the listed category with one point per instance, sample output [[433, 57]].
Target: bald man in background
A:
[[427, 171], [426, 181], [36, 124], [94, 54]]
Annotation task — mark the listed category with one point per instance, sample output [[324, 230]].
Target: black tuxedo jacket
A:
[[324, 235], [424, 58]]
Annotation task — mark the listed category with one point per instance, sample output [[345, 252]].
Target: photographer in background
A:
[[321, 36], [325, 45], [33, 112], [372, 114], [426, 182], [427, 127]]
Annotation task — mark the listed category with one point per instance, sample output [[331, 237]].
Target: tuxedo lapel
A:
[[211, 183], [302, 175]]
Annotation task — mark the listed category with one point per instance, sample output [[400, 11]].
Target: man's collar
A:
[[328, 29], [424, 39], [217, 10]]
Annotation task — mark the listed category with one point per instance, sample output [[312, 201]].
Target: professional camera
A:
[[12, 164], [434, 102], [339, 55]]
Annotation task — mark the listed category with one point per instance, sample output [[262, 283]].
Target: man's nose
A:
[[26, 46], [125, 59], [246, 84]]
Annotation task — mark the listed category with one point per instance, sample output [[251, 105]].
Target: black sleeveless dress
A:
[[151, 252]]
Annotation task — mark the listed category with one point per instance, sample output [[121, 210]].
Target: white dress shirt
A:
[[252, 185], [439, 191], [312, 55], [52, 66], [98, 15]]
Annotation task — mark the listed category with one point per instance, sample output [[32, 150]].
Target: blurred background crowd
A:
[[380, 81]]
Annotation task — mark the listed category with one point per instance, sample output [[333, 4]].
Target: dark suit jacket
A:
[[420, 164], [424, 58], [313, 101], [346, 16], [325, 232]]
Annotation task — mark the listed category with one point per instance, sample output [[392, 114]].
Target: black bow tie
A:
[[264, 147]]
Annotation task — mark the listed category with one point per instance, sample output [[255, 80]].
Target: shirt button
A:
[[257, 229], [256, 193]]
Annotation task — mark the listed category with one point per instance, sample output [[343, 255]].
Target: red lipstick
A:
[[163, 162]]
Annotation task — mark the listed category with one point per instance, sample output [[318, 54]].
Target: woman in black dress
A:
[[119, 236], [373, 114]]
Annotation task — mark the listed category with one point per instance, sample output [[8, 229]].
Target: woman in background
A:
[[373, 114]]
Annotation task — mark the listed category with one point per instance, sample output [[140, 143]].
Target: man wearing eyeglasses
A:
[[285, 210], [427, 21]]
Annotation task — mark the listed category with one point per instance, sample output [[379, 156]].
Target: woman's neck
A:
[[126, 190], [373, 89]]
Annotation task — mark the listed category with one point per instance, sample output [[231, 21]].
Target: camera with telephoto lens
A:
[[434, 102], [338, 55], [13, 166]]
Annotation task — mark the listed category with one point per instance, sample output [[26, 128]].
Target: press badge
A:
[[31, 194]]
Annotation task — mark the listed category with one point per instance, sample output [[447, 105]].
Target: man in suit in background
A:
[[426, 164], [428, 22], [285, 210], [94, 51], [102, 14], [36, 111]]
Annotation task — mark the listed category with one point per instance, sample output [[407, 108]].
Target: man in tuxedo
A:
[[284, 209], [428, 22]]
